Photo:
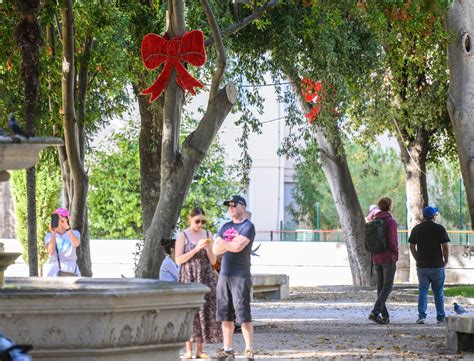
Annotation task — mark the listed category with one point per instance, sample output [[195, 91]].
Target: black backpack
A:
[[375, 240]]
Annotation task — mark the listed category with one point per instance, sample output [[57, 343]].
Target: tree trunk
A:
[[175, 185], [460, 22], [151, 132], [77, 194], [413, 156], [336, 169], [28, 38]]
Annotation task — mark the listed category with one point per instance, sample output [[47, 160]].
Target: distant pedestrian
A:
[[194, 254], [61, 243], [169, 270], [385, 263], [234, 286], [429, 247], [373, 210]]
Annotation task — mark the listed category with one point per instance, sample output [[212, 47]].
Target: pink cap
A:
[[63, 212]]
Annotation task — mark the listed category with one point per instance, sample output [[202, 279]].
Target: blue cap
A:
[[429, 212]]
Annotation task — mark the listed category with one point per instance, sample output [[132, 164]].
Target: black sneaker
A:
[[385, 320], [376, 318]]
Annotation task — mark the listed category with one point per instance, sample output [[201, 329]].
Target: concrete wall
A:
[[307, 263]]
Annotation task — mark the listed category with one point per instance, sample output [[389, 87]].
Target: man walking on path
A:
[[234, 242], [385, 262], [429, 247]]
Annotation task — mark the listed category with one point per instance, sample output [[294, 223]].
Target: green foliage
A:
[[48, 188], [114, 188], [375, 172], [114, 193], [443, 189]]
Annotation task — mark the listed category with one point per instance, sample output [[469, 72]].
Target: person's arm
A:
[[210, 254], [413, 251], [219, 246], [181, 256], [445, 248], [76, 241], [51, 246], [222, 246]]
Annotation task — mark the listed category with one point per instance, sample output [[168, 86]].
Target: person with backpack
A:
[[382, 242]]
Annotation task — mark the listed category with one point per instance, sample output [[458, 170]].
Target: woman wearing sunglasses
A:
[[194, 255]]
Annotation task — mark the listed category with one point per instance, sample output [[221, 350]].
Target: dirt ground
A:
[[331, 323]]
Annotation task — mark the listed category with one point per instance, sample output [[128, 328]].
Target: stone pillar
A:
[[7, 216]]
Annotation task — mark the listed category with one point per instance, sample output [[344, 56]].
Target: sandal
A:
[[187, 356], [203, 356]]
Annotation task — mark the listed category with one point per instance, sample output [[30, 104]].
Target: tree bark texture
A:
[[336, 169], [177, 178], [460, 23], [28, 39], [77, 194], [413, 155], [151, 132]]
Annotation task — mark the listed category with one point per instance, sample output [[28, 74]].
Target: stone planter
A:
[[91, 319]]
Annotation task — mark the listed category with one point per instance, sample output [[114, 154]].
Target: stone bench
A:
[[271, 286], [460, 335]]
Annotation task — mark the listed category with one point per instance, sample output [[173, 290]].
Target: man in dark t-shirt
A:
[[234, 243], [429, 246]]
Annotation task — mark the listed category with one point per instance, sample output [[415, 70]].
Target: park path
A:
[[331, 323]]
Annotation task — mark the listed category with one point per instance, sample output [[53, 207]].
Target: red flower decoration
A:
[[157, 50], [314, 92]]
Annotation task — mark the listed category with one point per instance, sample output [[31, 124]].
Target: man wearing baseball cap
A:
[[429, 247], [234, 243]]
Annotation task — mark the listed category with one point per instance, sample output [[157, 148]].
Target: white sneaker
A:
[[421, 321]]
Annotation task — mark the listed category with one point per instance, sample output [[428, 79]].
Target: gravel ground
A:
[[331, 323]]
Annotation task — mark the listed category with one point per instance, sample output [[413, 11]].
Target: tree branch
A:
[[221, 57], [244, 22]]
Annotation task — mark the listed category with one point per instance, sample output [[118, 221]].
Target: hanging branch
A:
[[244, 22], [221, 56]]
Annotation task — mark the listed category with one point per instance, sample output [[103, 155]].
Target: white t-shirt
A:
[[67, 254]]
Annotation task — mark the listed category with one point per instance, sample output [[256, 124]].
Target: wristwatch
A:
[[67, 230]]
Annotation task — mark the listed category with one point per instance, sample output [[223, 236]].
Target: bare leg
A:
[[228, 333], [247, 332], [189, 350], [199, 353]]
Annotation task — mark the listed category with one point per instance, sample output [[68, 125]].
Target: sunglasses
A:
[[200, 221]]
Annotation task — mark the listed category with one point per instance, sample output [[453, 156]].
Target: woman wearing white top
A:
[[61, 243]]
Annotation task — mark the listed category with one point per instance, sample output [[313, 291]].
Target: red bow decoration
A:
[[157, 50]]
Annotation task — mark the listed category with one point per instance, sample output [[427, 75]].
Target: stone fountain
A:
[[91, 319], [6, 259]]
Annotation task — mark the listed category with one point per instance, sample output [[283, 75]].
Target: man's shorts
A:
[[233, 298]]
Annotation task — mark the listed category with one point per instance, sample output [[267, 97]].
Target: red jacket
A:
[[391, 254]]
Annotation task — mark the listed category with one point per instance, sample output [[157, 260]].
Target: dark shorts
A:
[[233, 298]]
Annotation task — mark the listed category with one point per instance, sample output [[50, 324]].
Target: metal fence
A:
[[336, 235]]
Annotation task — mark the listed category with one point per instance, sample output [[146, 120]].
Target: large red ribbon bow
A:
[[157, 50]]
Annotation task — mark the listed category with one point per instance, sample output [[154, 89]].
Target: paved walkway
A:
[[331, 323]]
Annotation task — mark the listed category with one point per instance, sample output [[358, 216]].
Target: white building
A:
[[271, 176]]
